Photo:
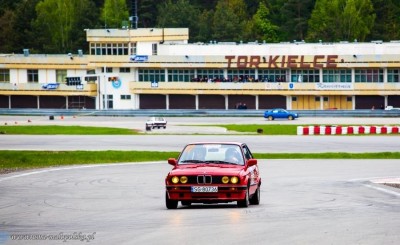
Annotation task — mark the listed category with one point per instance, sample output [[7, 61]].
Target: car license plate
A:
[[204, 188]]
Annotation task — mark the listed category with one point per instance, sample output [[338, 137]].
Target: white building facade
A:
[[159, 69]]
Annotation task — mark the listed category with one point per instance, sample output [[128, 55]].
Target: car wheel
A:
[[186, 203], [165, 127], [270, 118], [255, 199], [245, 202], [290, 117], [171, 204]]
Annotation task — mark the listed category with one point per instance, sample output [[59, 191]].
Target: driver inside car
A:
[[233, 156], [199, 153]]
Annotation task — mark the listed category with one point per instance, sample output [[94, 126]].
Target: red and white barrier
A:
[[341, 130]]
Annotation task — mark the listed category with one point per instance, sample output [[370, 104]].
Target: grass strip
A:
[[329, 155], [260, 129], [20, 160], [67, 130], [276, 129]]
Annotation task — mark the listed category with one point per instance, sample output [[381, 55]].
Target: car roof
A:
[[216, 143]]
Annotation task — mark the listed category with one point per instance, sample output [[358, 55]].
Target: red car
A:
[[217, 172]]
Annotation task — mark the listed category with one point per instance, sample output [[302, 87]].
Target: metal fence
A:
[[197, 113]]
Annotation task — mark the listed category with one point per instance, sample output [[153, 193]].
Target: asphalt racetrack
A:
[[302, 201], [182, 130]]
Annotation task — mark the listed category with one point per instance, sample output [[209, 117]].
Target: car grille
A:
[[204, 179]]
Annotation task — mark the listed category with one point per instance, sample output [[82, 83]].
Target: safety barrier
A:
[[341, 130]]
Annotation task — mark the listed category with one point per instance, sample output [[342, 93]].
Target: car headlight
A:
[[184, 179], [175, 179], [225, 179], [234, 180]]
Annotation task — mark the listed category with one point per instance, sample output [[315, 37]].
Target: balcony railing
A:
[[264, 87]]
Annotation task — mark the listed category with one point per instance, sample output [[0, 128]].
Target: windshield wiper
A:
[[219, 162], [192, 161]]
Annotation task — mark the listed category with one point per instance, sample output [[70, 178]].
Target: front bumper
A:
[[224, 194]]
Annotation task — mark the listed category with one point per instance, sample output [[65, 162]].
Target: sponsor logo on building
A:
[[283, 61], [50, 86], [117, 83], [154, 84], [334, 86], [139, 58]]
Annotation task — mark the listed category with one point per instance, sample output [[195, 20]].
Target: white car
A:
[[389, 107], [156, 122]]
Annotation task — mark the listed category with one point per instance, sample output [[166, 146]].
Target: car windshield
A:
[[212, 154]]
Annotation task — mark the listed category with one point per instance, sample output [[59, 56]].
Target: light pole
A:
[[105, 106]]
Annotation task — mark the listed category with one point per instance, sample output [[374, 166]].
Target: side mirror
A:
[[172, 161], [251, 162]]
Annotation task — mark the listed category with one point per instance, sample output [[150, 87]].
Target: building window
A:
[[125, 97], [349, 99], [91, 78], [133, 48], [33, 76], [369, 75], [108, 48], [4, 75], [124, 70], [317, 99], [238, 75], [119, 49], [305, 76], [154, 49], [146, 75], [180, 75], [294, 98], [115, 48], [393, 75], [61, 76], [272, 75], [326, 99], [336, 76], [103, 49], [204, 75], [108, 70]]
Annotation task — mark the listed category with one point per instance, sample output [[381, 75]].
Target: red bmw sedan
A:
[[213, 172]]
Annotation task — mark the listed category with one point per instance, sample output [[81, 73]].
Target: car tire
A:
[[186, 203], [270, 118], [165, 127], [255, 199], [290, 117], [171, 204], [245, 202]]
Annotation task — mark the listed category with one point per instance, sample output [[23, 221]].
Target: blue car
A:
[[280, 113]]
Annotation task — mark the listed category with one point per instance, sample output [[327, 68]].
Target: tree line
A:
[[57, 26]]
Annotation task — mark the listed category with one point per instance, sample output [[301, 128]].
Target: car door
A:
[[280, 114], [254, 174]]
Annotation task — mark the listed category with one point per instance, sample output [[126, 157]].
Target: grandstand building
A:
[[150, 68]]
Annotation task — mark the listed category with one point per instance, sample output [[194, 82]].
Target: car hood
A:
[[207, 169]]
